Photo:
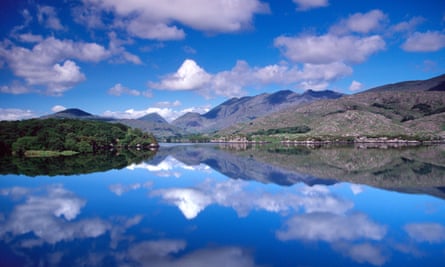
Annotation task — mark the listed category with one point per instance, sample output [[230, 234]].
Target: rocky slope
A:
[[409, 108], [246, 109]]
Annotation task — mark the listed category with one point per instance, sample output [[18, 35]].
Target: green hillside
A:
[[48, 137]]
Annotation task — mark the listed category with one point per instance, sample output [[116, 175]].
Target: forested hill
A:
[[69, 135]]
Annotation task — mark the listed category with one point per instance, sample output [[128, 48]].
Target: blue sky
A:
[[130, 58]]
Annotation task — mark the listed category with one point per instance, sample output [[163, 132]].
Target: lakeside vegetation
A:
[[73, 165], [56, 137]]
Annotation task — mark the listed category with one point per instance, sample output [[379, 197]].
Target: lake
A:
[[226, 205]]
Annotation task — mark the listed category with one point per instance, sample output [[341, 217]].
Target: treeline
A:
[[68, 135]]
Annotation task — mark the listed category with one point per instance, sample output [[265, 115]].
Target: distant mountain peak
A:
[[323, 93], [153, 117], [74, 112]]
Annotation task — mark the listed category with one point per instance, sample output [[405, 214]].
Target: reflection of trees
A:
[[77, 164]]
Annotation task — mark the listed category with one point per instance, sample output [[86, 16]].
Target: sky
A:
[[126, 59]]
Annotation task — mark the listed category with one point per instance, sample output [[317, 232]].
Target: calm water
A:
[[226, 206]]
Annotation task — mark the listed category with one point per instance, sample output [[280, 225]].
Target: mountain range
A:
[[404, 108], [414, 109], [232, 111]]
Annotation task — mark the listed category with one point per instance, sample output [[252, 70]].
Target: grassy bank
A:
[[49, 153]]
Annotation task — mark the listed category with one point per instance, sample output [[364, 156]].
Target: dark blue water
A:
[[168, 212]]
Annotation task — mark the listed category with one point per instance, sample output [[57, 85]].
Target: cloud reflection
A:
[[362, 253], [161, 253], [236, 195], [167, 167], [426, 232], [49, 214], [120, 189], [331, 227]]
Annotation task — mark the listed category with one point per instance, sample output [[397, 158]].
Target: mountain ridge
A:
[[408, 109], [246, 109], [402, 108]]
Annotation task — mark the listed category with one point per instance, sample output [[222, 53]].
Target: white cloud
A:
[[58, 108], [331, 228], [407, 26], [121, 55], [155, 19], [189, 76], [50, 62], [118, 90], [167, 113], [16, 88], [329, 48], [47, 15], [430, 41], [303, 5], [167, 104], [47, 64], [230, 83], [426, 232], [12, 114], [158, 31], [30, 38], [355, 86], [360, 23]]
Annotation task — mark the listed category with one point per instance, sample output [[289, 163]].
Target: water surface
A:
[[212, 205]]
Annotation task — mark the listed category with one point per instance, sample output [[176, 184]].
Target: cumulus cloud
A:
[[167, 104], [13, 114], [355, 86], [47, 16], [407, 26], [168, 113], [51, 62], [360, 23], [156, 19], [230, 83], [47, 64], [303, 5], [189, 76], [429, 41], [58, 108], [30, 38], [121, 55], [118, 89], [15, 88], [329, 48]]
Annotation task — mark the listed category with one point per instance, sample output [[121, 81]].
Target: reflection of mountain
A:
[[78, 164], [409, 170], [237, 166]]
